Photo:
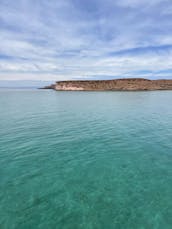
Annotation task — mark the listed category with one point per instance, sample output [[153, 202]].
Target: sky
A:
[[85, 39]]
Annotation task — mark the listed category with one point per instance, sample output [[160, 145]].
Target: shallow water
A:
[[85, 159]]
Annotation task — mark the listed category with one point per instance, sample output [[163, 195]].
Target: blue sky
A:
[[85, 39]]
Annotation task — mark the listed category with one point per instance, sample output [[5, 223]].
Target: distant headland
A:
[[126, 84]]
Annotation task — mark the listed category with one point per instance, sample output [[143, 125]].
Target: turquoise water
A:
[[85, 159]]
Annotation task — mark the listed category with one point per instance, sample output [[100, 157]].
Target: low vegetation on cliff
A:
[[130, 84]]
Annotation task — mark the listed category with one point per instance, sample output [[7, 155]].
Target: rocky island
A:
[[126, 84]]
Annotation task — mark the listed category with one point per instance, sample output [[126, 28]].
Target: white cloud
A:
[[61, 40]]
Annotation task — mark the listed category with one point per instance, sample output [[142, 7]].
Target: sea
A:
[[85, 160]]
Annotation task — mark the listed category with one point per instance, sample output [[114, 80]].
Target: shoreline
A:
[[130, 84]]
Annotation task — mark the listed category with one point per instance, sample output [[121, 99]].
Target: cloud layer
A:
[[88, 39]]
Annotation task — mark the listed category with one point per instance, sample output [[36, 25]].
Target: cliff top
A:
[[123, 79]]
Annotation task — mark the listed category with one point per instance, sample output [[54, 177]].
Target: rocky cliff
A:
[[130, 84]]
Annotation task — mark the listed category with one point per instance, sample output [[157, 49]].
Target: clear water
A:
[[85, 159]]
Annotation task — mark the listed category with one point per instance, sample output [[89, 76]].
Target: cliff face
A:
[[132, 84]]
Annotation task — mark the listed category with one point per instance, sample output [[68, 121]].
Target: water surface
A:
[[85, 159]]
